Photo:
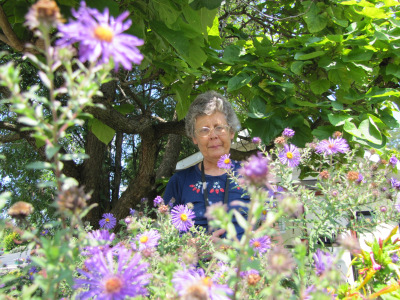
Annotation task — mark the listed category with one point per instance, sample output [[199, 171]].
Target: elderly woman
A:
[[211, 123]]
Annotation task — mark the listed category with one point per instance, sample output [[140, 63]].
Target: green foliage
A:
[[10, 239]]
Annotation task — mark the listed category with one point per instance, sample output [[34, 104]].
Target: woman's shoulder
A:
[[190, 171]]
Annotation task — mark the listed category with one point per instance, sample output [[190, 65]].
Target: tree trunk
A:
[[117, 168]]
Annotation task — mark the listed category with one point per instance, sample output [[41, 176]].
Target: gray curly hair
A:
[[209, 103]]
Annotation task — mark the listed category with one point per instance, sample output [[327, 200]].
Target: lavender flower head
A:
[[288, 133], [158, 201], [182, 217], [261, 244], [255, 170], [395, 258], [132, 211], [108, 221], [290, 156], [100, 37], [393, 161], [148, 239], [101, 235], [332, 146], [106, 279], [323, 261], [256, 140], [395, 183], [225, 162], [190, 284]]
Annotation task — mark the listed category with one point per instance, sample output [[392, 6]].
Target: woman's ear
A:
[[194, 140]]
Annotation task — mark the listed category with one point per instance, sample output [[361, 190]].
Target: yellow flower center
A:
[[113, 285], [103, 34], [289, 155], [256, 244], [207, 281], [264, 212], [184, 217], [144, 239], [107, 220], [227, 161]]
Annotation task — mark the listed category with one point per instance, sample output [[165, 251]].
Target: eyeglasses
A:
[[218, 130]]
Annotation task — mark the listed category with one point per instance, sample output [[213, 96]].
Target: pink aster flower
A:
[[332, 146], [261, 244], [108, 221], [103, 278], [148, 239], [101, 235], [191, 284], [100, 37], [290, 156], [225, 162], [182, 217]]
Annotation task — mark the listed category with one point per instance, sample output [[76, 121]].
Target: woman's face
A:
[[213, 146]]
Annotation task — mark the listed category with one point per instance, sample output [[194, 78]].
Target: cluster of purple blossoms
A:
[[225, 162], [148, 239], [101, 235], [332, 146], [182, 217], [106, 279], [108, 221], [100, 37], [132, 211], [255, 170], [395, 183], [288, 133], [191, 284], [393, 161], [395, 258], [256, 140], [290, 155], [158, 201], [261, 244], [323, 261]]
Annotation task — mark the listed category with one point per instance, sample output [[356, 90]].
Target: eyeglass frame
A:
[[226, 127]]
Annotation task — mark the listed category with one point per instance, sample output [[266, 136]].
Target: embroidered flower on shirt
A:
[[216, 188], [197, 186]]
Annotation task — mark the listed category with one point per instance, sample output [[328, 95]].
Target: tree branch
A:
[[9, 34]]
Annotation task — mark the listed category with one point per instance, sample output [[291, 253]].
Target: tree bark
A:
[[117, 168]]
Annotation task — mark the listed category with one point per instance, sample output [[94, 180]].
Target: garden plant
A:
[[157, 252]]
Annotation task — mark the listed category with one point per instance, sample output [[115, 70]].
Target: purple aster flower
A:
[[274, 191], [189, 283], [288, 133], [290, 156], [128, 220], [107, 279], [158, 201], [100, 37], [323, 261], [261, 244], [397, 207], [31, 271], [305, 295], [249, 272], [395, 258], [44, 232], [360, 178], [395, 183], [108, 221], [256, 140], [393, 161], [255, 170], [132, 211], [225, 162], [148, 239], [182, 217], [101, 235], [332, 146]]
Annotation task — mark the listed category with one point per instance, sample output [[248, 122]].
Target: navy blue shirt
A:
[[186, 187]]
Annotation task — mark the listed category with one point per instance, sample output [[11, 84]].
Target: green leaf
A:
[[125, 108], [239, 81], [338, 119], [257, 108], [297, 66], [370, 131], [103, 132], [351, 128], [240, 219], [323, 132], [320, 86], [210, 4], [182, 96], [392, 69], [340, 77], [166, 11], [51, 151], [307, 56], [101, 5], [315, 20], [39, 165]]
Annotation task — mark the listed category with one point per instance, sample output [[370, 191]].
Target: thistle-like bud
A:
[[73, 199], [20, 210], [44, 12]]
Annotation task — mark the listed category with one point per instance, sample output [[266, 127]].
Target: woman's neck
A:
[[211, 168]]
